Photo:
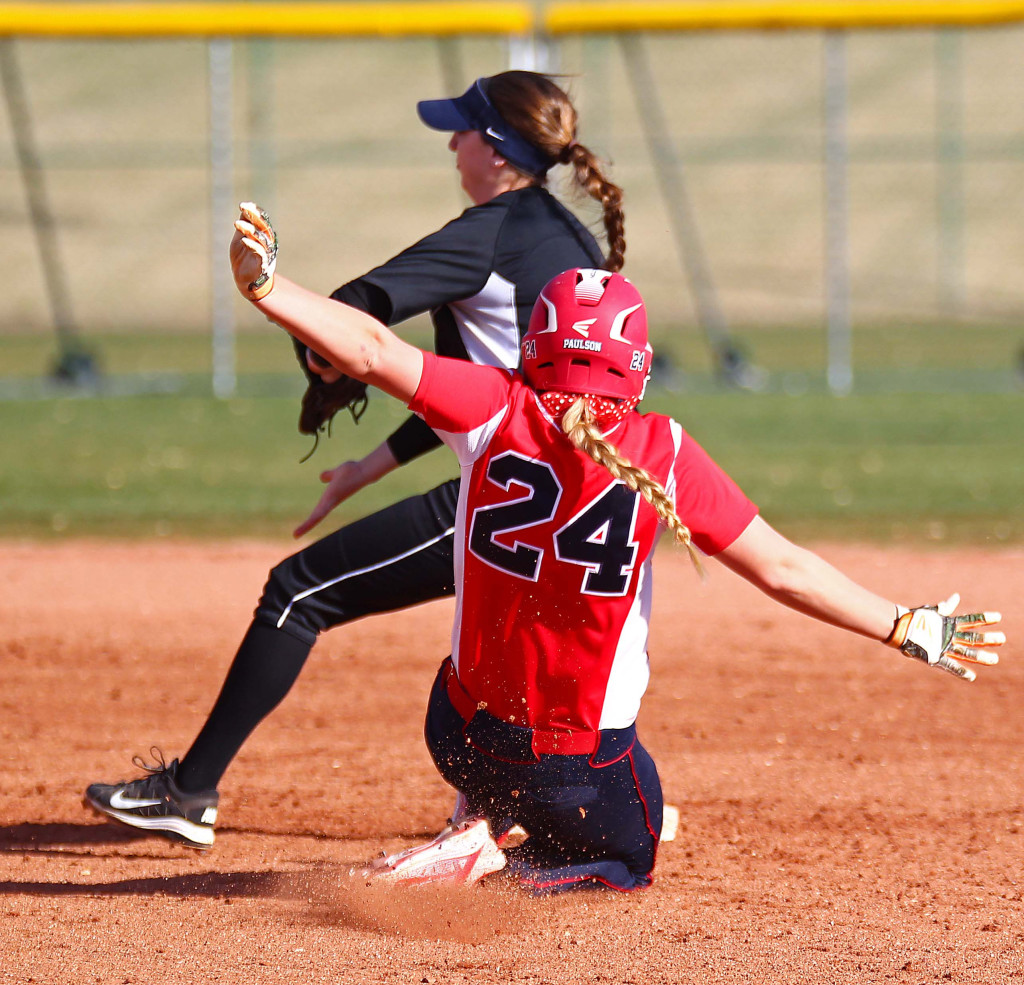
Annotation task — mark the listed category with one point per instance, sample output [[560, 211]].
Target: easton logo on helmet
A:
[[570, 345]]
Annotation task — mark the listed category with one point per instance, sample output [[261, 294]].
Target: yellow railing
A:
[[168, 19], [575, 17], [468, 17]]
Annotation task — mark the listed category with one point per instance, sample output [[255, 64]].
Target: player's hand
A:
[[253, 252], [342, 482], [933, 634]]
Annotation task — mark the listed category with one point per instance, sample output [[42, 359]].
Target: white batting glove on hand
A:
[[933, 634], [253, 252]]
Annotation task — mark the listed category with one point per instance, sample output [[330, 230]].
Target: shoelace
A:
[[156, 772]]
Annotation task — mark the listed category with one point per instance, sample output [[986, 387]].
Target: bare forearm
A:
[[354, 342], [378, 463], [809, 584], [348, 337], [806, 582], [803, 581]]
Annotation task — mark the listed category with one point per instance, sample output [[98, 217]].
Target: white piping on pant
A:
[[361, 571]]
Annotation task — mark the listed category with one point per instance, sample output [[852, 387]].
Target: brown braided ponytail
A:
[[543, 114], [580, 428]]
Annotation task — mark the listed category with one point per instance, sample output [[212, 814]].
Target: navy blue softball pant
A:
[[593, 821]]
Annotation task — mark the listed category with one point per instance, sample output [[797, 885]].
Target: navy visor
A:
[[474, 111]]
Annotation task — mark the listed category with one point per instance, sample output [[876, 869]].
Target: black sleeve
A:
[[366, 297], [451, 264], [412, 439]]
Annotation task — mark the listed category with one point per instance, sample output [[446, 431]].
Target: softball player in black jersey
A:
[[479, 277]]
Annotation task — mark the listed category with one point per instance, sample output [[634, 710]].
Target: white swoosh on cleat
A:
[[120, 801]]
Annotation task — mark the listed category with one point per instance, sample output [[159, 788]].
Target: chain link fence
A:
[[758, 168]]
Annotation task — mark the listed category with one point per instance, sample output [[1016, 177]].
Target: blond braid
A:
[[578, 424]]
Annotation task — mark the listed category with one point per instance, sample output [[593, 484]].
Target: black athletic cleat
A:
[[154, 803]]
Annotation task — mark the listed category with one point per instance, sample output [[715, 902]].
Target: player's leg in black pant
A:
[[398, 557]]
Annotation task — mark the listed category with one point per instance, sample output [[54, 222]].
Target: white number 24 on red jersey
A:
[[599, 537]]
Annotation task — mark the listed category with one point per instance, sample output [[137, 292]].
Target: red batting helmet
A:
[[588, 334]]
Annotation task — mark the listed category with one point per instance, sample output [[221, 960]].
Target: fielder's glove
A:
[[933, 634], [322, 401], [254, 252]]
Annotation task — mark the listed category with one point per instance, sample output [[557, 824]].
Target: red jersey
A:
[[553, 555]]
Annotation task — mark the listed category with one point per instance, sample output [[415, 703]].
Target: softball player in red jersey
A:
[[564, 490]]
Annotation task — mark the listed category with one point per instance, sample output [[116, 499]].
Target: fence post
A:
[[729, 362], [837, 243], [532, 53], [950, 153], [453, 72], [74, 363], [222, 207], [262, 149]]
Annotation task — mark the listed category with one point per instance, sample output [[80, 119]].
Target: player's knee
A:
[[283, 606], [274, 597]]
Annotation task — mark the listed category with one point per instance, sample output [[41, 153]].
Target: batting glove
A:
[[933, 634], [254, 252]]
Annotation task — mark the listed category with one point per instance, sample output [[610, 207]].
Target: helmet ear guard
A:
[[588, 335]]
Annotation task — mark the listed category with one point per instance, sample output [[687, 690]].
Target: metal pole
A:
[[950, 147], [730, 363], [262, 157], [596, 72], [453, 74], [74, 363], [532, 53], [837, 243], [452, 83], [222, 206]]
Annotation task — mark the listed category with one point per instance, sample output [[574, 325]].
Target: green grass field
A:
[[939, 467], [903, 355]]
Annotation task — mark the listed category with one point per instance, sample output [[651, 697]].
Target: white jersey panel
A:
[[459, 560], [488, 324], [676, 430], [470, 445], [631, 670]]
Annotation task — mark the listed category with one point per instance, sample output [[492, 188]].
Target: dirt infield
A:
[[848, 816]]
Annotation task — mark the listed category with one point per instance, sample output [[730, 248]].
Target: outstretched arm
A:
[[801, 579], [806, 582], [353, 341]]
